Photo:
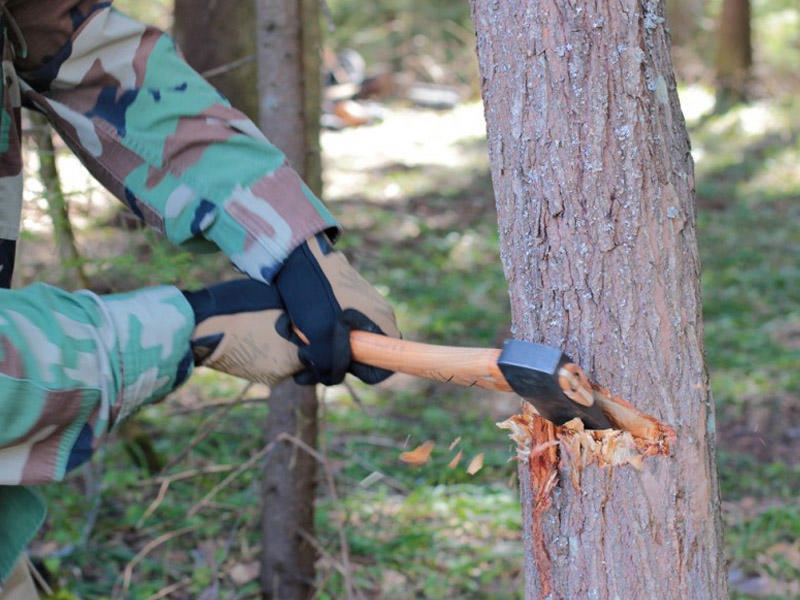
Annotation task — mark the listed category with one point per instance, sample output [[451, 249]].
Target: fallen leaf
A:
[[455, 443], [475, 465], [456, 459], [419, 455]]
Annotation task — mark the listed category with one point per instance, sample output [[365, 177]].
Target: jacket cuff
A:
[[153, 327]]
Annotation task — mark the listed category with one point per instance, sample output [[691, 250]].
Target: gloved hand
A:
[[237, 331], [325, 298]]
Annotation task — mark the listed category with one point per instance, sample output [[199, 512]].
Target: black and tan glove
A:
[[325, 298], [241, 329]]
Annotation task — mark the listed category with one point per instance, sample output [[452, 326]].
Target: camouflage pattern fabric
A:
[[71, 365], [167, 144], [159, 137]]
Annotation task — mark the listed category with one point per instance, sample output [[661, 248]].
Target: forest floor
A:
[[414, 196]]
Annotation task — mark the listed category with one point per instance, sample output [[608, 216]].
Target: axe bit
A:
[[544, 376]]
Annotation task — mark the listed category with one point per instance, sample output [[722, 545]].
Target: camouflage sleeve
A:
[[73, 364], [157, 135]]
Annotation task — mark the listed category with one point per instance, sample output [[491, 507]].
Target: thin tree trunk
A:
[[288, 39], [217, 38], [684, 18], [594, 186], [280, 90], [734, 52], [57, 204]]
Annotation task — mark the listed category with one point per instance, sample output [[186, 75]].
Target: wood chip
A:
[[456, 459], [455, 443], [475, 465], [419, 455]]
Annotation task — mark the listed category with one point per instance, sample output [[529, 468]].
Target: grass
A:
[[748, 192]]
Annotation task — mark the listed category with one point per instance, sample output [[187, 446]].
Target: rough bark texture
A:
[[218, 37], [287, 559], [595, 195], [734, 51], [288, 41], [289, 81]]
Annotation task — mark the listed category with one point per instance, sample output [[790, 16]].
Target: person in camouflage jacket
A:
[[163, 141]]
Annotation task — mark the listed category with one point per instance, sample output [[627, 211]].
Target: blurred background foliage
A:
[[414, 195]]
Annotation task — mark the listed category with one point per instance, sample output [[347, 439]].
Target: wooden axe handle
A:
[[462, 366]]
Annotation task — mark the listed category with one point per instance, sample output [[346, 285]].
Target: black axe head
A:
[[534, 370]]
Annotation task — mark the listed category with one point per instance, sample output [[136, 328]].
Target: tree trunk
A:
[[289, 87], [217, 39], [280, 90], [734, 52], [594, 186], [684, 19], [57, 204]]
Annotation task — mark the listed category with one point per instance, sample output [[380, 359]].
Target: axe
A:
[[544, 376]]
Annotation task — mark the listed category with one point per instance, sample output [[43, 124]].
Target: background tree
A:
[[594, 186], [265, 58], [217, 38], [289, 82], [734, 56], [57, 202], [684, 17]]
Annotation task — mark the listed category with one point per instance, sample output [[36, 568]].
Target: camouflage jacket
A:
[[168, 145]]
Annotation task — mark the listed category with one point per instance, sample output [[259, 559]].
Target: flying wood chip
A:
[[419, 455], [475, 465], [456, 459]]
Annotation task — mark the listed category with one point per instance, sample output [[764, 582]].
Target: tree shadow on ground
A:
[[717, 187]]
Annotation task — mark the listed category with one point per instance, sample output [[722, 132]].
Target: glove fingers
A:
[[350, 289], [247, 345], [328, 362], [353, 319], [369, 374], [313, 309], [306, 377]]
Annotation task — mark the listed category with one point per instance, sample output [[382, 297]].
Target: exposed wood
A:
[[594, 188]]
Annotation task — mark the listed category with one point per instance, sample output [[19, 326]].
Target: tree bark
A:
[[594, 187], [734, 52], [289, 88], [280, 90], [218, 38]]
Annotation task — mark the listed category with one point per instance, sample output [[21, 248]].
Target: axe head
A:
[[533, 372]]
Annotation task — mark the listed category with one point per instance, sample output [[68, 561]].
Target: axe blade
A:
[[532, 371]]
